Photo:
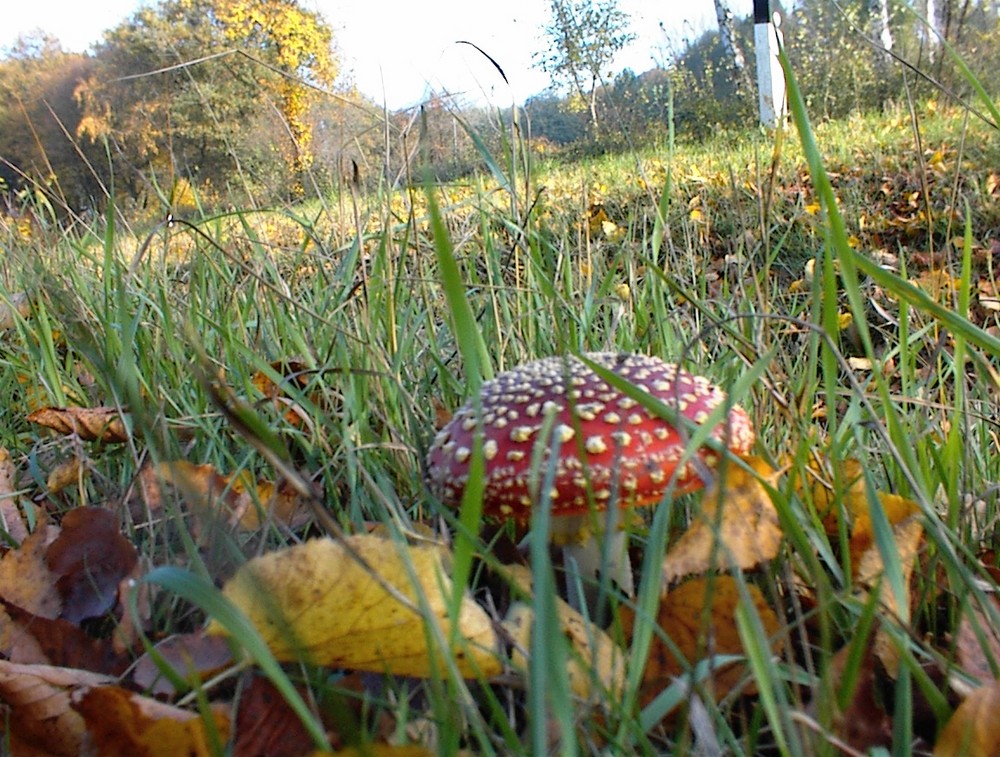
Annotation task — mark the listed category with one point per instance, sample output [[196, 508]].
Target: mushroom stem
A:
[[588, 563]]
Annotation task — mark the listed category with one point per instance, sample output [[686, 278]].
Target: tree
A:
[[38, 118], [298, 43], [584, 38], [180, 85], [727, 34]]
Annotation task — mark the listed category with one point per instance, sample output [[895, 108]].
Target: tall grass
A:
[[437, 287]]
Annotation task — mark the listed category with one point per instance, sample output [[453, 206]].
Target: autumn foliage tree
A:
[[181, 85], [38, 117], [583, 39]]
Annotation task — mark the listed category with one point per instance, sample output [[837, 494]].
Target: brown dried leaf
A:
[[973, 655], [896, 509], [292, 371], [10, 515], [235, 500], [865, 723], [90, 557], [89, 423], [25, 578], [700, 618], [322, 603], [193, 657], [66, 645], [39, 697], [266, 726], [974, 729], [737, 525], [121, 722], [13, 308]]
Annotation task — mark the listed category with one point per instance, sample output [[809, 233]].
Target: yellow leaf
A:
[[316, 601], [737, 525], [974, 729], [896, 509], [908, 536], [123, 722], [594, 657], [63, 475]]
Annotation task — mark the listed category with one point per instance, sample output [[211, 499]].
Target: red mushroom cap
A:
[[610, 445]]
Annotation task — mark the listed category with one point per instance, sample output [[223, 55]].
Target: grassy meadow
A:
[[837, 279]]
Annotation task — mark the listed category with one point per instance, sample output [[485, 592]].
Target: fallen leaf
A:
[[41, 716], [26, 581], [11, 519], [974, 729], [63, 475], [266, 726], [851, 501], [64, 644], [238, 500], [13, 308], [89, 557], [897, 509], [192, 657], [595, 664], [864, 723], [89, 423], [975, 651], [318, 602], [908, 536], [736, 525], [122, 722], [295, 372], [594, 657], [699, 617]]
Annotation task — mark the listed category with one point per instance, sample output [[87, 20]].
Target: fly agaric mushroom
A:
[[612, 450]]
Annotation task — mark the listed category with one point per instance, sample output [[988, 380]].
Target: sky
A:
[[396, 51]]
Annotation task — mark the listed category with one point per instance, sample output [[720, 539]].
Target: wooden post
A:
[[770, 78]]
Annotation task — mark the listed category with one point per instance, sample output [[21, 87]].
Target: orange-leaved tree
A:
[[182, 88]]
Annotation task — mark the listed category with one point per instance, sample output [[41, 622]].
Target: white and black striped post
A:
[[770, 78]]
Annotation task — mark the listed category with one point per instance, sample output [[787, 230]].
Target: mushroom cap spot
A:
[[520, 434], [564, 433], [610, 447]]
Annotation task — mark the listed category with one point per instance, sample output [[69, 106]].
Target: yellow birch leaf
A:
[[594, 657], [974, 728], [737, 524], [896, 508], [908, 536], [63, 475], [316, 601]]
